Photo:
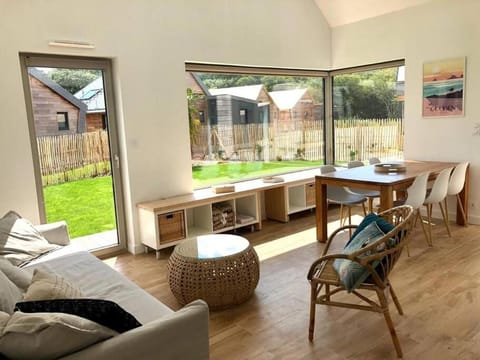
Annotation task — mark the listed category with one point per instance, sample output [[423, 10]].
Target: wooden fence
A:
[[354, 139], [73, 157]]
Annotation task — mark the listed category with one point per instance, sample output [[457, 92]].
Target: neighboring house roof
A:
[[92, 96], [60, 91], [52, 85], [250, 92], [287, 99]]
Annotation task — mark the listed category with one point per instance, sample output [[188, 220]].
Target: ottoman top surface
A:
[[212, 246]]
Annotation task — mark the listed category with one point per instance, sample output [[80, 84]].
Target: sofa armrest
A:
[[55, 233], [181, 335]]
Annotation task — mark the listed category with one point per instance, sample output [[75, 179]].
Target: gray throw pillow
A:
[[20, 242], [10, 294], [20, 277]]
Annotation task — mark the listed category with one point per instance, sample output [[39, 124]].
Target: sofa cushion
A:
[[9, 294], [48, 335], [48, 286], [97, 280], [19, 276], [104, 312], [351, 273], [20, 242]]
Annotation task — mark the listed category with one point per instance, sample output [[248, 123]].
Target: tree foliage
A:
[[73, 80], [363, 95]]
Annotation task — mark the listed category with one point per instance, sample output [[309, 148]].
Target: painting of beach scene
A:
[[443, 88]]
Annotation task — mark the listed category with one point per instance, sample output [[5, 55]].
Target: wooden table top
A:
[[368, 175]]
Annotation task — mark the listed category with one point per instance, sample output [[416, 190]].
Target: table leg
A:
[[464, 199], [386, 197], [321, 210]]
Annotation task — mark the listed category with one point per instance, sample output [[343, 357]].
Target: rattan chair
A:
[[384, 252]]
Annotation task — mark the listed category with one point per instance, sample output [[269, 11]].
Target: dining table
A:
[[373, 177]]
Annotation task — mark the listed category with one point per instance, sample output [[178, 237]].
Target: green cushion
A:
[[384, 225], [351, 273]]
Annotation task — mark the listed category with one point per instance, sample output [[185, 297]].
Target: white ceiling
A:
[[341, 12]]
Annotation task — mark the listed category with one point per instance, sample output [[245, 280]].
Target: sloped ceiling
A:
[[342, 12]]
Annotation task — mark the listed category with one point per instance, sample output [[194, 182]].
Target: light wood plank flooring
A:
[[439, 289]]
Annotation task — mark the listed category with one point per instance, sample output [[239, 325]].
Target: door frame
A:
[[77, 62]]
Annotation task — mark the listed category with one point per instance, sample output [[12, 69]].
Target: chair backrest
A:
[[355, 163], [374, 160], [417, 191], [325, 169], [440, 187], [457, 180], [380, 256]]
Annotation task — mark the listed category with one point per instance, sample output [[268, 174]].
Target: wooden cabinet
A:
[[166, 222], [282, 201]]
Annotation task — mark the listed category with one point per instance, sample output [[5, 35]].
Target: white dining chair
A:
[[437, 195], [455, 186], [338, 195], [370, 194], [416, 194]]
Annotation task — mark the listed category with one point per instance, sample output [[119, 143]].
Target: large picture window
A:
[[252, 125], [368, 114]]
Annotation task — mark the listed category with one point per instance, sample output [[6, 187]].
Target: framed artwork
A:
[[444, 88]]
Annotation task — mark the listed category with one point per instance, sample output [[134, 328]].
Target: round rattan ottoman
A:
[[221, 269]]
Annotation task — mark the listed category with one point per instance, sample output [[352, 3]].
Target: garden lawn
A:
[[86, 205], [207, 175]]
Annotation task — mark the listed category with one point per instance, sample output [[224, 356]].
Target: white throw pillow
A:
[[10, 294], [20, 277], [50, 286], [48, 335], [20, 242]]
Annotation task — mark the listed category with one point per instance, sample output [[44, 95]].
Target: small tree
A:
[[193, 120]]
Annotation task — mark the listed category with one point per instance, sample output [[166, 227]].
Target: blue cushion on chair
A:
[[384, 225], [351, 273]]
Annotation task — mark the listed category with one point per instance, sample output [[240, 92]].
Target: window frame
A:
[[66, 126]]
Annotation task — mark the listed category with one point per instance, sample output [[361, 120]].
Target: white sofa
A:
[[164, 334]]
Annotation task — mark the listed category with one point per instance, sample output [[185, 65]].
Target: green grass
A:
[[86, 205], [206, 175], [88, 208]]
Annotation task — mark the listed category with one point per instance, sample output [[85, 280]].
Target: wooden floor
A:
[[439, 289]]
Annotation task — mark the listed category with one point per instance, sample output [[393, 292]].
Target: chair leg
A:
[[429, 217], [388, 320], [419, 216], [313, 298], [341, 214], [395, 300], [364, 210], [445, 220], [349, 215], [370, 204], [462, 210]]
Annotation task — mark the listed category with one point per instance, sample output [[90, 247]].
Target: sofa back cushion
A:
[[20, 242]]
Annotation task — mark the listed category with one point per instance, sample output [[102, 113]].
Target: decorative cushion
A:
[[351, 273], [9, 294], [104, 312], [48, 335], [384, 225], [20, 277], [20, 242], [48, 286]]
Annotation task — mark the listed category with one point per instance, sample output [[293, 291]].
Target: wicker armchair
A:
[[383, 253]]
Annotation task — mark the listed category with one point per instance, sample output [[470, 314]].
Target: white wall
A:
[[440, 30], [149, 42]]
